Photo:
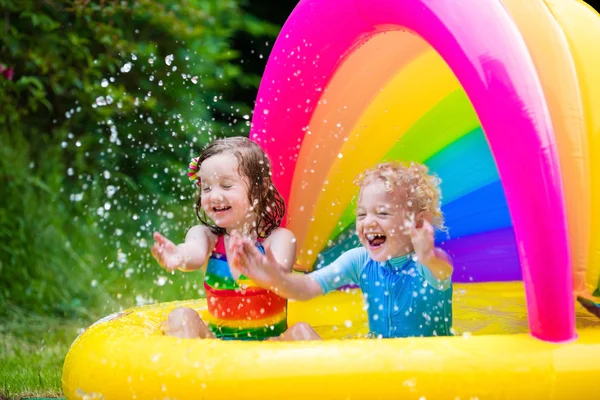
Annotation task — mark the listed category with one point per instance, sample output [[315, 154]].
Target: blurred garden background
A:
[[102, 104]]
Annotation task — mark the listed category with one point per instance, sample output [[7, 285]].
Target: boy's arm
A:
[[267, 272], [438, 263], [296, 286], [434, 259]]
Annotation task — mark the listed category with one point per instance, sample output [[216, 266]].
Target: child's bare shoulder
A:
[[281, 234]]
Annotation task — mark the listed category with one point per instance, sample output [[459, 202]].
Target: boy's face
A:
[[383, 222]]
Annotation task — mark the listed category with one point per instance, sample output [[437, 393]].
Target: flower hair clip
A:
[[193, 171]]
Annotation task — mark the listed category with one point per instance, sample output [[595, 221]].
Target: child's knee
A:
[[301, 331], [184, 322]]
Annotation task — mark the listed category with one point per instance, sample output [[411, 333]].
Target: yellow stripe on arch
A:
[[410, 94]]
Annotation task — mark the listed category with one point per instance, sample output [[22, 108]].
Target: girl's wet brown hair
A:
[[255, 167]]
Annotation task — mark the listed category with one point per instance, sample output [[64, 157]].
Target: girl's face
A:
[[225, 193], [382, 222]]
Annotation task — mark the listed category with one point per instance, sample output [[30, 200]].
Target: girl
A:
[[405, 280], [236, 194]]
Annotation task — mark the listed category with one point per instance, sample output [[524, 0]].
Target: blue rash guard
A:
[[402, 297]]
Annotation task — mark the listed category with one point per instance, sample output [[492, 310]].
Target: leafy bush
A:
[[107, 102]]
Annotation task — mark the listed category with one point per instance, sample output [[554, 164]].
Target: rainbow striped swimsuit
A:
[[240, 309]]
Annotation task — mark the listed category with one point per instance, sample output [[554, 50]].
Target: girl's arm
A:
[[190, 255], [283, 244]]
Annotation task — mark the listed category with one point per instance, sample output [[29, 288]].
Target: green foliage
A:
[[108, 102]]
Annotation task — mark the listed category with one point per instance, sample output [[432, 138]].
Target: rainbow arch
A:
[[495, 96]]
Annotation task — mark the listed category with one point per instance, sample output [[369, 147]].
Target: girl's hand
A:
[[423, 242], [166, 253]]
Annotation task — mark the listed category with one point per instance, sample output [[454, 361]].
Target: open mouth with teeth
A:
[[221, 209], [375, 240]]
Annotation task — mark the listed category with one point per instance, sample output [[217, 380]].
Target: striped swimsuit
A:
[[240, 309]]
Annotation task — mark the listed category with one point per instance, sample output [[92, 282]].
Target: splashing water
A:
[[127, 66]]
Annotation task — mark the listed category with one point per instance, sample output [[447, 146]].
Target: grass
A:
[[32, 351], [33, 347]]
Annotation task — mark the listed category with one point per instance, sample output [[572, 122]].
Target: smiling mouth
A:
[[221, 209], [375, 240]]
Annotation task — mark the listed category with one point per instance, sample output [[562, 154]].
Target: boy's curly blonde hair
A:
[[422, 189]]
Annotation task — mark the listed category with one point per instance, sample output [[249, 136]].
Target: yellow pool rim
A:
[[126, 356]]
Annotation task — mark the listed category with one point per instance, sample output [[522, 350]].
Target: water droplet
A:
[[104, 83], [348, 323], [169, 59], [110, 191], [94, 283], [76, 197], [161, 280], [127, 66], [121, 257], [195, 80], [410, 382]]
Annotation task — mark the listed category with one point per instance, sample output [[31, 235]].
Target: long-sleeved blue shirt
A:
[[403, 298]]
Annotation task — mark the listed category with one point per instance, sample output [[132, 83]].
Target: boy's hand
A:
[[263, 269], [166, 253], [423, 241], [436, 260]]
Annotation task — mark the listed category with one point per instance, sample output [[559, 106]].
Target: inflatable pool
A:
[[501, 99], [491, 356]]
